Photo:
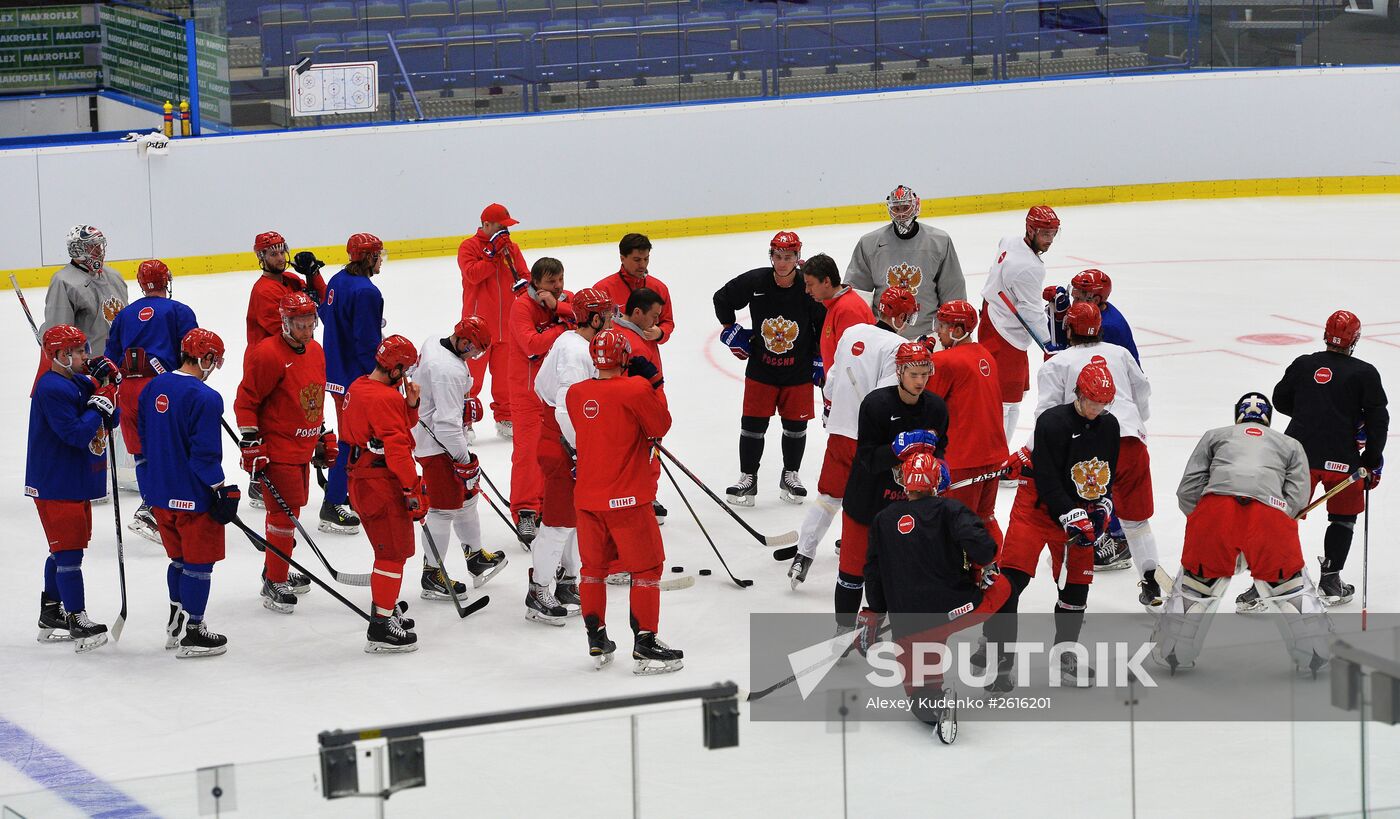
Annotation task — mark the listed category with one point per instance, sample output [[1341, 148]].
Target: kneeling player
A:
[[1242, 486], [182, 478], [1062, 503], [928, 555], [70, 417]]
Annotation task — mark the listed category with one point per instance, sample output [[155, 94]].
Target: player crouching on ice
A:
[[928, 555], [71, 414], [1242, 487]]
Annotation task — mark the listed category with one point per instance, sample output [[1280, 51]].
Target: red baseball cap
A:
[[497, 213]]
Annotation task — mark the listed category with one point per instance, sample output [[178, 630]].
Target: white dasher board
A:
[[334, 88]]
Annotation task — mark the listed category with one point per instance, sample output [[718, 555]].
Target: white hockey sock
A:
[[546, 551], [816, 524], [439, 524], [1010, 414], [466, 522], [570, 561], [1143, 544]]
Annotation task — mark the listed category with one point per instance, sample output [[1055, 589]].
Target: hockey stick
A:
[[504, 517], [120, 622], [504, 501], [743, 584], [1017, 313], [977, 479], [472, 607], [1365, 549], [321, 478], [260, 543], [32, 326], [792, 678], [785, 539], [261, 477], [1326, 496]]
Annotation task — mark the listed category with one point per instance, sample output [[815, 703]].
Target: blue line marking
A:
[[67, 779]]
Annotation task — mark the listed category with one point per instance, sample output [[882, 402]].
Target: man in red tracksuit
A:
[[493, 270], [385, 489], [280, 410], [635, 250], [539, 315], [614, 417]]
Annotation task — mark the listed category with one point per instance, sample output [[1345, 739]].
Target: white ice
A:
[[1193, 279]]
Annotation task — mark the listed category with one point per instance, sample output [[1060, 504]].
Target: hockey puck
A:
[[677, 569], [704, 572]]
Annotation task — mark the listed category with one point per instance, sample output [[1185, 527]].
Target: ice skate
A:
[[541, 606], [791, 488], [299, 583], [660, 512], [655, 657], [566, 592], [337, 518], [1070, 671], [1150, 593], [797, 572], [435, 585], [1249, 603], [278, 597], [86, 635], [255, 495], [528, 526], [977, 660], [386, 636], [143, 523], [53, 621], [1332, 590], [175, 626], [619, 579], [505, 429], [400, 609], [1005, 681], [600, 648], [199, 641], [743, 491], [483, 565], [1111, 554]]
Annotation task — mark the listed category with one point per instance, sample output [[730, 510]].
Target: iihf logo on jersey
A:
[[1090, 478], [779, 334], [905, 275]]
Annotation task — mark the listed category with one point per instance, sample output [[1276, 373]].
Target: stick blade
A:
[[784, 554], [785, 539], [474, 606], [677, 583], [117, 626], [352, 579]]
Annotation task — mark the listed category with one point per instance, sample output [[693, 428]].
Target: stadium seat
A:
[[614, 56], [899, 35], [384, 14], [277, 26], [430, 13], [479, 12], [532, 10]]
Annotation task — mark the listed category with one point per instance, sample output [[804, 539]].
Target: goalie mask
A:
[[1253, 406], [903, 207], [87, 247]]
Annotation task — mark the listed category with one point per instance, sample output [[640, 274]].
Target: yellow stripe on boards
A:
[[777, 220]]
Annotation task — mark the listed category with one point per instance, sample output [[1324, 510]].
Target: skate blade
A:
[[573, 611], [1253, 607], [1114, 566], [740, 500], [600, 660], [372, 647], [256, 502], [280, 608], [434, 595], [791, 498], [145, 530], [337, 529], [87, 644], [535, 617], [947, 729], [619, 579], [479, 580], [54, 635], [189, 652], [644, 668], [300, 590]]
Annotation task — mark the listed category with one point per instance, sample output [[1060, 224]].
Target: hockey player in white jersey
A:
[[1241, 489], [450, 469], [909, 254], [1132, 484], [1019, 272], [864, 360], [568, 362]]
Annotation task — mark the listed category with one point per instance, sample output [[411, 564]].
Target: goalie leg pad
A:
[[1301, 619], [1185, 620]]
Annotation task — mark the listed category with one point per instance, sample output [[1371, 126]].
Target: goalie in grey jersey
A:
[[1242, 487]]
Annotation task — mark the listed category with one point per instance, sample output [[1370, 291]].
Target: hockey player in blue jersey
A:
[[71, 413], [1091, 286], [353, 317], [182, 478], [144, 340]]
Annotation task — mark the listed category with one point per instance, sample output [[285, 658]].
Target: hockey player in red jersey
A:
[[539, 316], [635, 273], [638, 319], [844, 307], [265, 301], [384, 485], [965, 374], [493, 272], [280, 411], [615, 417]]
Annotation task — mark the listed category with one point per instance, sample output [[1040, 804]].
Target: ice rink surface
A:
[[1221, 296]]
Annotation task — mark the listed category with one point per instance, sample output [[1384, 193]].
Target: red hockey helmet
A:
[[271, 240], [395, 351], [910, 354], [1094, 282], [591, 301], [898, 302], [153, 275], [1042, 217], [1343, 329], [958, 313], [786, 240], [296, 304], [922, 472], [361, 245], [200, 343], [62, 337], [473, 329], [1095, 383], [1084, 319], [610, 350]]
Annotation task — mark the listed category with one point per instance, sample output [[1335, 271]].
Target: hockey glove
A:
[[737, 338], [1373, 475], [327, 450], [1361, 436], [497, 244], [473, 411], [868, 630], [638, 365], [826, 411], [104, 400], [307, 264], [252, 453], [469, 472], [986, 575], [225, 506], [1100, 514], [102, 369], [1020, 461], [416, 503], [1059, 300], [818, 372], [906, 444], [1077, 525], [1052, 347]]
